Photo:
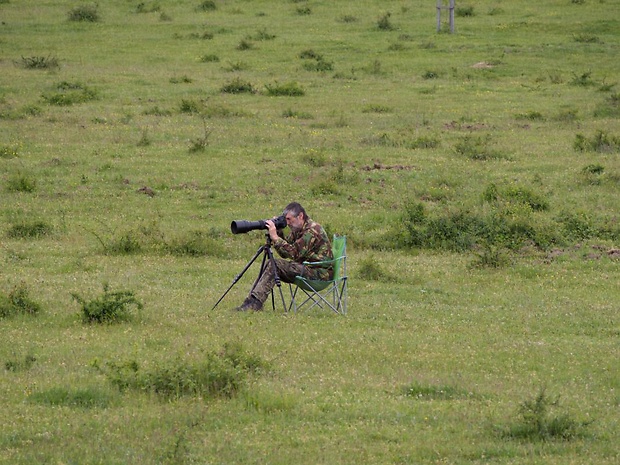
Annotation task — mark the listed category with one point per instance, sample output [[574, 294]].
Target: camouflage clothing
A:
[[309, 244]]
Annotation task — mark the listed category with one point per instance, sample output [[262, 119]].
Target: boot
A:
[[250, 303]]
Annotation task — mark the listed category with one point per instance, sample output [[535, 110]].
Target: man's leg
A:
[[287, 270]]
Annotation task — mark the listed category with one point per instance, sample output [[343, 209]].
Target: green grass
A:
[[475, 174]]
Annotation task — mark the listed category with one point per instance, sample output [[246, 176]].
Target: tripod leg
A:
[[276, 278], [260, 250]]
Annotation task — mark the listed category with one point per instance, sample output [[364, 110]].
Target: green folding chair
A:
[[324, 294]]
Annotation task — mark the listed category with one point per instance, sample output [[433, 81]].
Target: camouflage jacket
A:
[[309, 244]]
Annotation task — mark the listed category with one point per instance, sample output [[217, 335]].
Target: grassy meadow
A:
[[476, 176]]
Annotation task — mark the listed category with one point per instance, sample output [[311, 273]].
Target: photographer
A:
[[306, 242]]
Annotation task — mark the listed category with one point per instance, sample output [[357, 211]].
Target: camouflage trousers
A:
[[287, 270]]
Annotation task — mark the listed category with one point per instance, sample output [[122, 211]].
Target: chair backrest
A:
[[339, 250]]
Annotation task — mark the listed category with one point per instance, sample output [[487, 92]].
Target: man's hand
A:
[[273, 232]]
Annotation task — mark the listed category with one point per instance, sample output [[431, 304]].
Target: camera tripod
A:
[[268, 260]]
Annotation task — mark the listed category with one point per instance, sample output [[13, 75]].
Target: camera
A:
[[243, 226]]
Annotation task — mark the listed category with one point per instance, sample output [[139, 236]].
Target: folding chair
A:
[[324, 294]]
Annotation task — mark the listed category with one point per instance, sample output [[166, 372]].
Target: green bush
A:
[[33, 229], [18, 302], [536, 422], [476, 148], [110, 307], [69, 93], [84, 13], [217, 374], [601, 142], [40, 62], [21, 182], [289, 89], [238, 86]]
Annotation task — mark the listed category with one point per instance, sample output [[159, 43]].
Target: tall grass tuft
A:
[[110, 307], [18, 302], [84, 13], [536, 422]]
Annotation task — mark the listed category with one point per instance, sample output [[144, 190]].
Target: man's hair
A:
[[295, 209]]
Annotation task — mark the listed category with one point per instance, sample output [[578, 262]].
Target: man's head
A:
[[295, 215]]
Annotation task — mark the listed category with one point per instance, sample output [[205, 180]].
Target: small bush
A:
[[210, 58], [217, 374], [207, 5], [583, 80], [84, 13], [384, 23], [537, 423], [238, 86], [110, 307], [190, 106], [476, 148], [40, 62], [21, 182], [18, 302], [464, 12], [601, 142], [610, 108], [33, 229], [128, 243], [69, 93], [245, 45], [288, 89]]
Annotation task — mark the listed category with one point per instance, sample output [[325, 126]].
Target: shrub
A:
[[610, 108], [217, 374], [288, 89], [29, 229], [210, 58], [476, 148], [464, 12], [601, 142], [238, 86], [384, 23], [537, 423], [69, 93], [190, 106], [84, 13], [582, 80], [110, 307], [40, 62], [21, 182], [207, 5], [128, 243], [18, 302]]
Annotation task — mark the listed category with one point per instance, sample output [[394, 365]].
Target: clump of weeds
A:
[[110, 307]]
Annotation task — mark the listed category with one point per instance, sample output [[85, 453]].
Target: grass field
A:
[[476, 176]]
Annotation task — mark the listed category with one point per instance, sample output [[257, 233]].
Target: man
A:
[[306, 242]]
